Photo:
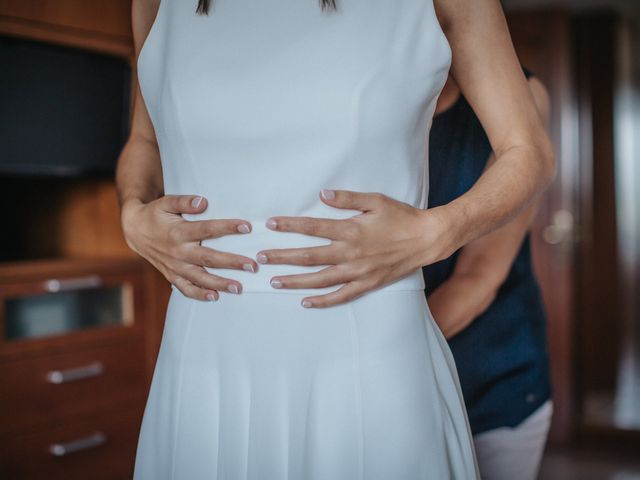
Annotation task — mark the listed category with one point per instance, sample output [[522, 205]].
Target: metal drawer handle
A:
[[92, 441], [56, 285], [57, 377]]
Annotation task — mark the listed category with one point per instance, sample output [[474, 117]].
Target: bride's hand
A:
[[387, 241], [157, 232]]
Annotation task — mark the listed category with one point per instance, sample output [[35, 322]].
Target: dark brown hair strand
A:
[[203, 6]]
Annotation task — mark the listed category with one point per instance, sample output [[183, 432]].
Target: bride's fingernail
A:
[[271, 223], [261, 258], [243, 228], [307, 303], [195, 203], [233, 288], [248, 267], [328, 194], [275, 283], [211, 297]]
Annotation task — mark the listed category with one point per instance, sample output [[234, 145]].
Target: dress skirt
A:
[[257, 387]]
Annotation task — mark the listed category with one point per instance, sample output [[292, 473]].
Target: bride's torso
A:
[[260, 104]]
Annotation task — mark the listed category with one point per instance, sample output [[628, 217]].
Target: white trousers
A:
[[509, 453]]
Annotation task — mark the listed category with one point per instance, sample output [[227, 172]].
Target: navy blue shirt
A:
[[501, 356]]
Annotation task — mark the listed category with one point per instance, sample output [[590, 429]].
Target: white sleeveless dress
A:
[[258, 106]]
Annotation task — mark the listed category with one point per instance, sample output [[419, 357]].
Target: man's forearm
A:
[[515, 181], [459, 301]]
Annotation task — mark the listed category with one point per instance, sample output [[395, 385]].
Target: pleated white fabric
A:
[[257, 387], [258, 106]]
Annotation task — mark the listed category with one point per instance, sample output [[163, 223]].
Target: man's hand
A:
[[157, 232], [384, 243]]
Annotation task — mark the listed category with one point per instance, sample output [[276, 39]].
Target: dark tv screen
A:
[[63, 111]]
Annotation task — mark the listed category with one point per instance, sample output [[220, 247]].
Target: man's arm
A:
[[487, 70], [391, 239], [152, 222], [139, 172], [483, 265]]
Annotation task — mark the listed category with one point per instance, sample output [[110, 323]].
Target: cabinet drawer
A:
[[101, 447], [46, 389]]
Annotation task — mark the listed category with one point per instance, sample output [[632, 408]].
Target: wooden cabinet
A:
[[78, 336], [75, 367], [105, 446], [62, 386], [99, 25]]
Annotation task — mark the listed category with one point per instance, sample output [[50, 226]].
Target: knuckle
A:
[[174, 251], [338, 297], [207, 280], [360, 270], [208, 258], [203, 258], [211, 260], [174, 234], [181, 285], [180, 202], [344, 271], [375, 282], [207, 229], [355, 252], [350, 254], [311, 227], [223, 227], [214, 281], [352, 231], [194, 293], [307, 258], [342, 297]]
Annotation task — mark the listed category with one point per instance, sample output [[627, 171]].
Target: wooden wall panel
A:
[[544, 43], [89, 222]]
